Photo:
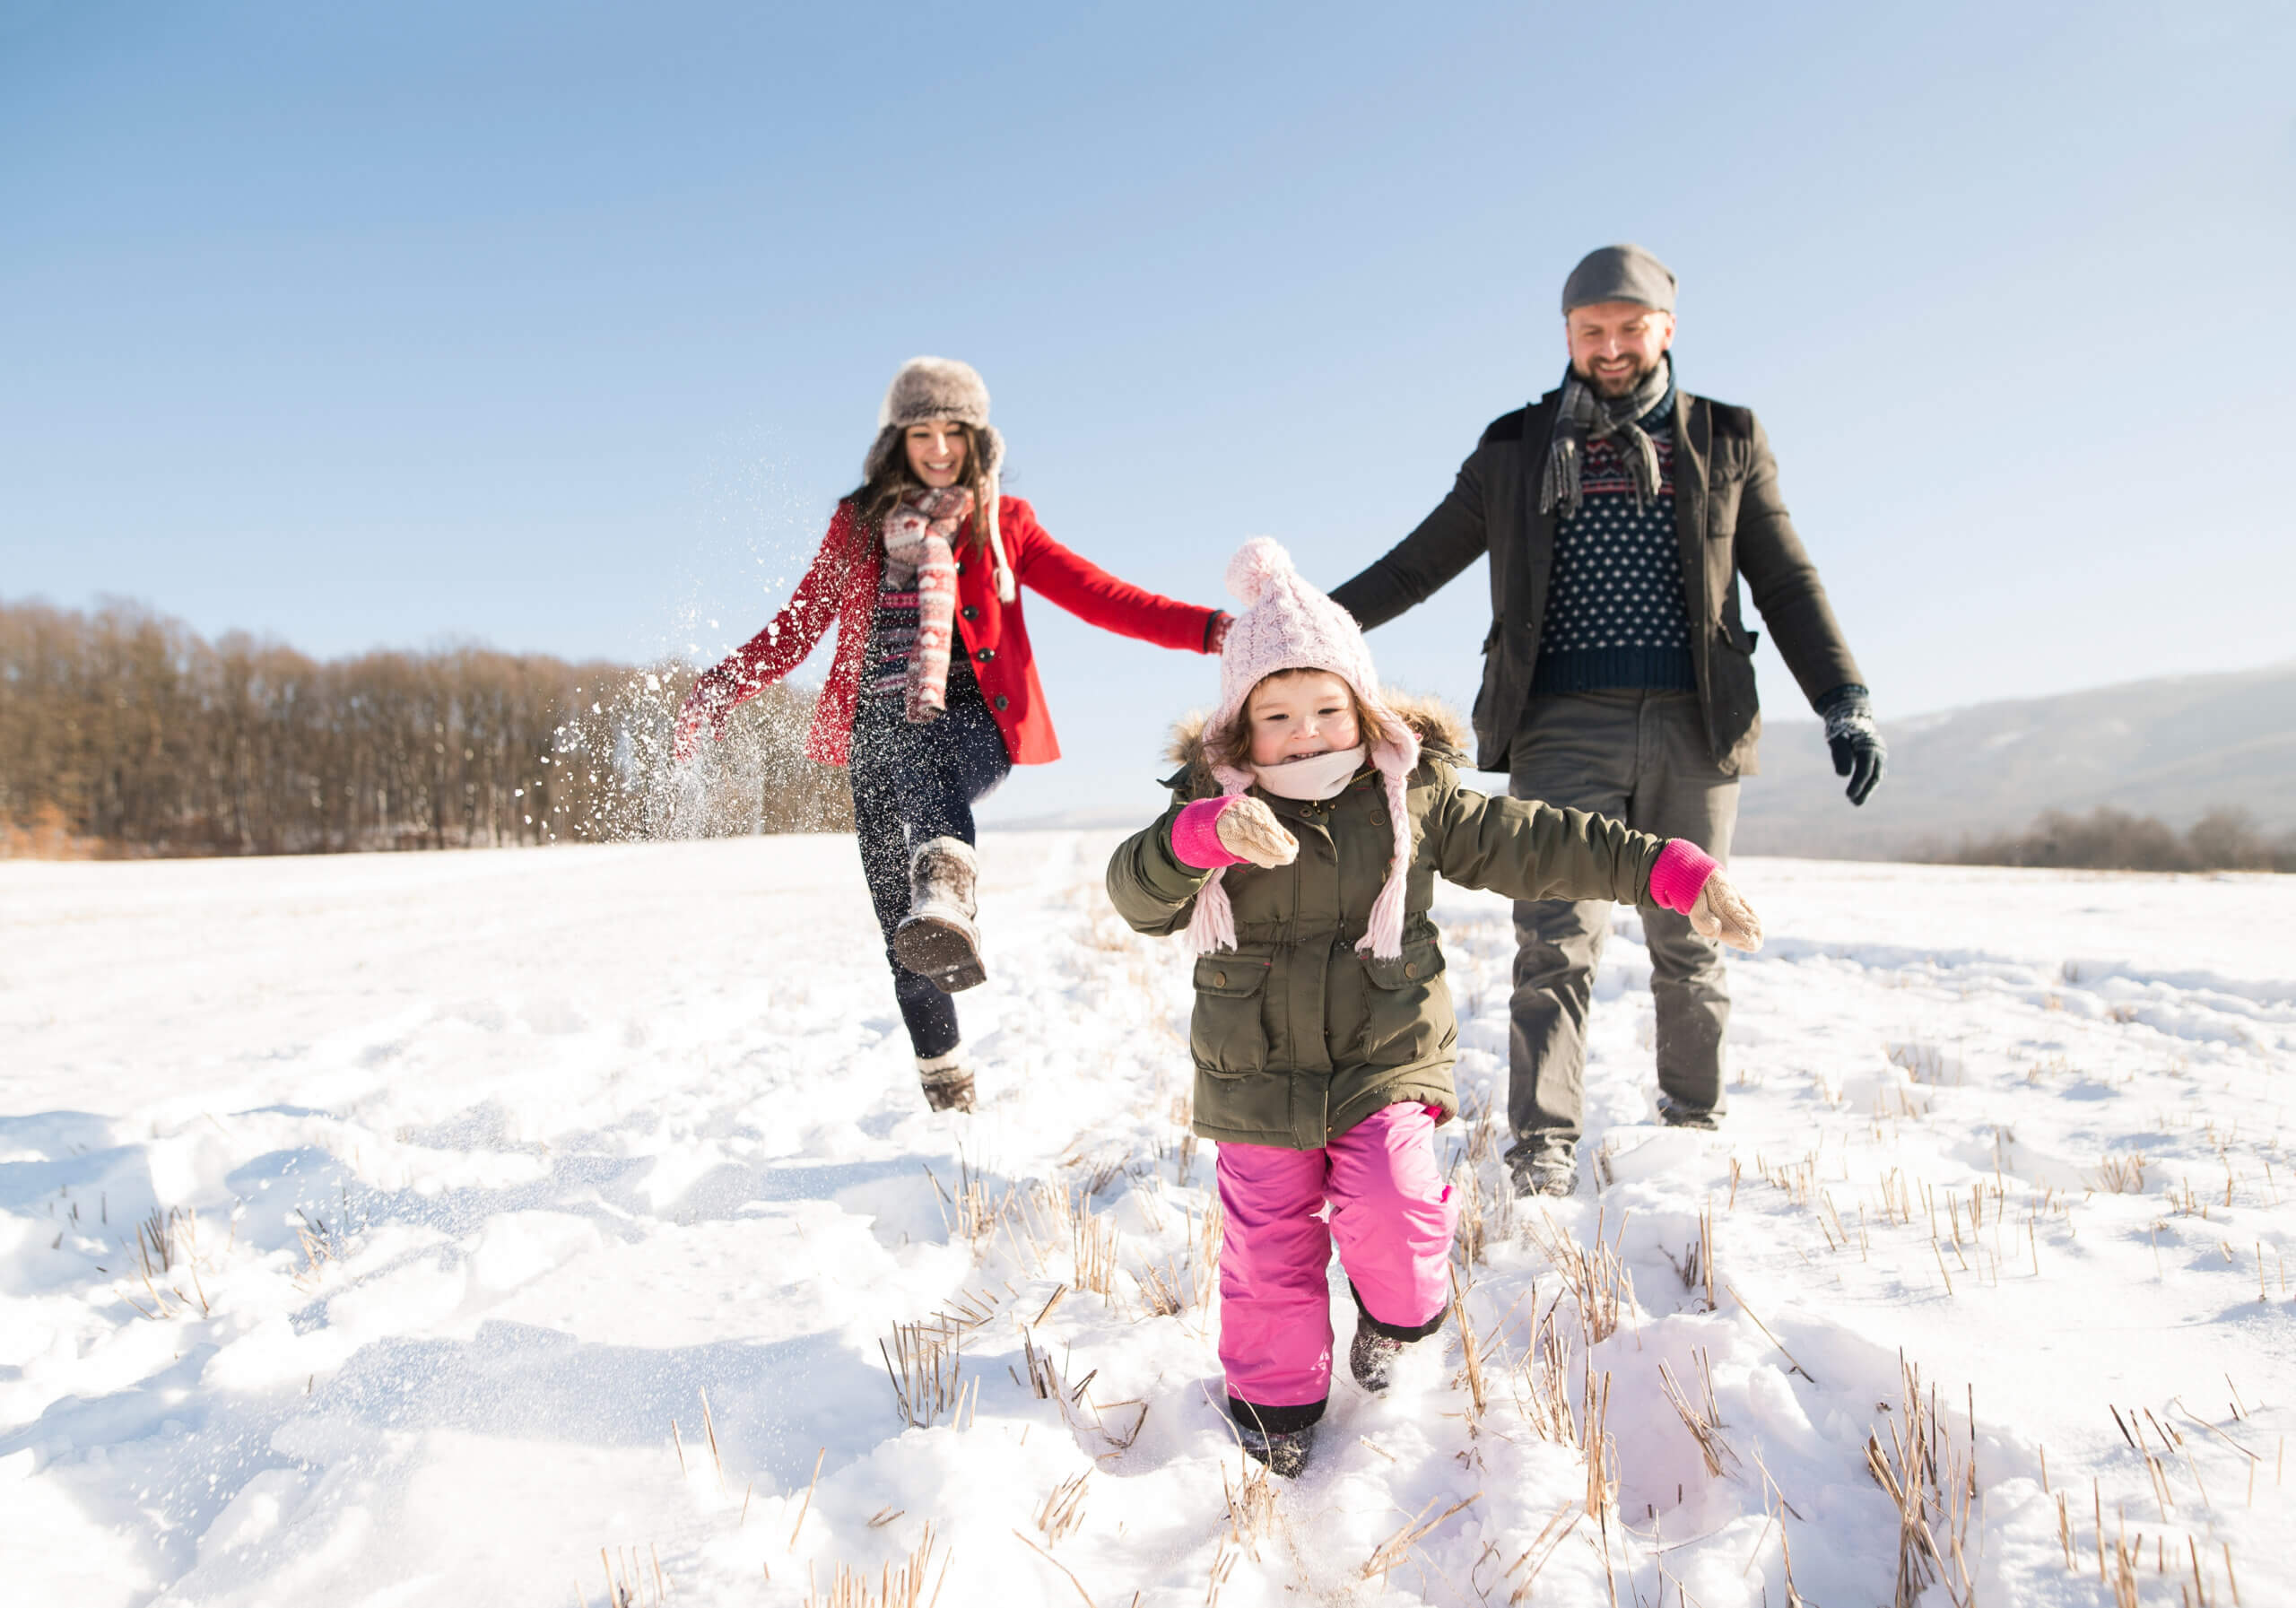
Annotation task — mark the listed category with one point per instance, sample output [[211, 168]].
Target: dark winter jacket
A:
[[1297, 1035], [1730, 520], [840, 587]]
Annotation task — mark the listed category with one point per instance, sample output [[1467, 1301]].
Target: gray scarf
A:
[[1582, 416]]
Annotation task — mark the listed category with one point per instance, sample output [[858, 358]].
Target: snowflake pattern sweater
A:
[[1616, 615]]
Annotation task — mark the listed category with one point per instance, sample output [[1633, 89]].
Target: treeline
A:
[[125, 733], [2109, 840]]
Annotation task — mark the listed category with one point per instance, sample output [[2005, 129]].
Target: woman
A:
[[926, 556]]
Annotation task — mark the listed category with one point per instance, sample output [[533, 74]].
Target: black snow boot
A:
[[1284, 1451], [1676, 1114], [1371, 1356], [937, 939], [1544, 1166]]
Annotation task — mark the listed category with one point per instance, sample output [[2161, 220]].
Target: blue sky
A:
[[561, 326]]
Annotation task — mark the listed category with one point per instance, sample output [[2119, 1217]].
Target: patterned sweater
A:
[[1616, 616]]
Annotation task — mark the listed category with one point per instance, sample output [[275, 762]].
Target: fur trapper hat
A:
[[1288, 624], [942, 387]]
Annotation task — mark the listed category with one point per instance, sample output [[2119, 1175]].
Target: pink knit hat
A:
[[1289, 625]]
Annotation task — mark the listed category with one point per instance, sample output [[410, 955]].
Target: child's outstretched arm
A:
[[1155, 875], [1525, 850]]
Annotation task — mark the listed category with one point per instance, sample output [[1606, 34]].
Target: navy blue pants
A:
[[911, 784]]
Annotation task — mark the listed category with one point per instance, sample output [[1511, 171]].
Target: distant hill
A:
[[2175, 748]]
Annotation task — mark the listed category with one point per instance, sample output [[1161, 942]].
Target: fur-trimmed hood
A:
[[1442, 734]]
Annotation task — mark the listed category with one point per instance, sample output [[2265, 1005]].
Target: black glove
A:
[[1858, 752]]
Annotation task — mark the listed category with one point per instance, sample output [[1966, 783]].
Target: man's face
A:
[[1615, 344]]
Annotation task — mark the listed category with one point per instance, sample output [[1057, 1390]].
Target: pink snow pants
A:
[[1392, 1216]]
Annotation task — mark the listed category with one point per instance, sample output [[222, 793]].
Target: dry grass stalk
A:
[[627, 1580], [320, 1245], [1695, 1266], [1392, 1552], [1211, 1234], [1057, 1564], [2122, 1173], [1471, 1352], [1566, 1519], [973, 1309], [1764, 1327], [969, 1212], [1470, 1238], [807, 1505], [1251, 1507], [1602, 1452], [1543, 1393], [1924, 1063], [165, 1241], [898, 1586], [1596, 1277], [1702, 1419], [1933, 1489], [1163, 1290], [927, 1367], [710, 1424], [1094, 1243], [1062, 1509]]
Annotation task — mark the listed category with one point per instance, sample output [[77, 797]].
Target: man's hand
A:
[[1249, 829], [1856, 739], [1722, 912]]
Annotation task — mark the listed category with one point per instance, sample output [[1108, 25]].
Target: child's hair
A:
[[1232, 745], [875, 497]]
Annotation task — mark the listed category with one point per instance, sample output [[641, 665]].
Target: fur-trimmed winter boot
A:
[[947, 1085], [937, 939]]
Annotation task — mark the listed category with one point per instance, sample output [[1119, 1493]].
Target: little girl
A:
[[1300, 855], [932, 696]]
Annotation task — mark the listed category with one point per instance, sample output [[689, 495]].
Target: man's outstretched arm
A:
[[1446, 542]]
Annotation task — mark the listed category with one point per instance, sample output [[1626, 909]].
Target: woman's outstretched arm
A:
[[781, 647], [1098, 598]]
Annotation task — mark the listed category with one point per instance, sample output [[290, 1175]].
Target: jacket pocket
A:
[[1407, 1013], [1228, 1035]]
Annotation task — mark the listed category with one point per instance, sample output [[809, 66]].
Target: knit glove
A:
[[1250, 832], [1213, 832], [1722, 912], [1687, 880], [1858, 751]]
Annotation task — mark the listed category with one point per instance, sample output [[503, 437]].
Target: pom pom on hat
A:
[[1258, 563]]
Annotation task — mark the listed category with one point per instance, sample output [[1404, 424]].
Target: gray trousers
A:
[[1641, 757]]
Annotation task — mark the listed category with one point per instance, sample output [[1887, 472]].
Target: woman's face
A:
[[937, 451], [1299, 716]]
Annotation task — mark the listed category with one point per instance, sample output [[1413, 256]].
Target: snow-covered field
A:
[[461, 1178]]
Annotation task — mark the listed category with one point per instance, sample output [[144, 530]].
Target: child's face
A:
[[1299, 714]]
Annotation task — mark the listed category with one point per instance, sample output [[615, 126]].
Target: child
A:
[[1300, 855], [932, 696]]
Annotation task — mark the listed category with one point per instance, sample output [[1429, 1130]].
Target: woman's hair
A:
[[1231, 743], [874, 498]]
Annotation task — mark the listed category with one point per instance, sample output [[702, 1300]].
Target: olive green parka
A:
[[1297, 1035]]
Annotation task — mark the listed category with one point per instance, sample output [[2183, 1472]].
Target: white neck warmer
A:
[[1312, 780]]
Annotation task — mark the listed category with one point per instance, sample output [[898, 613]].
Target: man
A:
[[1620, 513]]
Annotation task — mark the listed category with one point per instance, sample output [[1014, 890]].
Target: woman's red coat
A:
[[841, 586]]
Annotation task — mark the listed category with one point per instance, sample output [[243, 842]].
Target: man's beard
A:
[[1612, 389]]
